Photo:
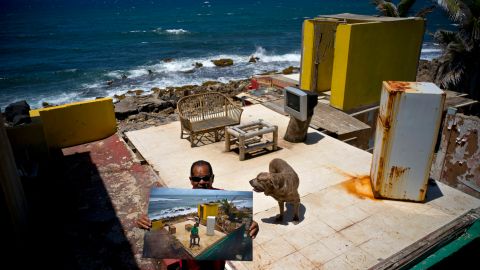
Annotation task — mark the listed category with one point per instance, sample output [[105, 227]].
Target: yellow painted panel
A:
[[340, 65], [77, 123], [377, 51], [317, 54], [307, 51]]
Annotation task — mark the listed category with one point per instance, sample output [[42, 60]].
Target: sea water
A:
[[60, 51]]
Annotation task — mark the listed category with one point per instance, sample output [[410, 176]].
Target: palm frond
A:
[[404, 7], [456, 9], [388, 9], [444, 37], [424, 11]]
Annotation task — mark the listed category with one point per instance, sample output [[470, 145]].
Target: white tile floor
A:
[[340, 229]]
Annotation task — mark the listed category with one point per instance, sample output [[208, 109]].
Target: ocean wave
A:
[[172, 212], [176, 31]]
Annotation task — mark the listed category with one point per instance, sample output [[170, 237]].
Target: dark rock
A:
[[125, 108], [47, 105], [119, 97], [167, 60], [208, 83], [289, 70], [189, 71], [153, 104], [198, 65], [137, 92], [21, 119], [224, 62], [17, 112], [253, 59]]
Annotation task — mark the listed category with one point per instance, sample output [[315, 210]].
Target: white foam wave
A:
[[431, 50], [172, 212], [134, 73], [264, 57], [114, 74], [176, 31], [58, 99]]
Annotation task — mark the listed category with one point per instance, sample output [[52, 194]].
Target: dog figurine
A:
[[281, 182]]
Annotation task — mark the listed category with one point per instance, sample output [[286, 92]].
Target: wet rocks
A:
[[253, 59], [223, 62], [290, 70], [126, 107], [198, 65], [18, 113]]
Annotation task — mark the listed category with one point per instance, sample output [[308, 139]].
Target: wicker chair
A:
[[206, 113]]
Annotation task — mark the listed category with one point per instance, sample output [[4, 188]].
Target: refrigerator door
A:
[[407, 128]]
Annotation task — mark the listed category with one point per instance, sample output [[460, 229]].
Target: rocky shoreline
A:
[[136, 110]]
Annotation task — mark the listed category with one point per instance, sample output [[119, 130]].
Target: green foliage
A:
[[388, 9], [459, 67]]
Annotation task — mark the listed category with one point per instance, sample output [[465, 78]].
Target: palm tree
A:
[[402, 9], [459, 66]]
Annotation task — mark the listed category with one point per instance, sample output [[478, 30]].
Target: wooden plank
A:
[[458, 102], [335, 121]]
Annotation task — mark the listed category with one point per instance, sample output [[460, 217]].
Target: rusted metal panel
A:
[[407, 127], [458, 159]]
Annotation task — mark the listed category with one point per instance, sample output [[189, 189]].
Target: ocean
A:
[[56, 51]]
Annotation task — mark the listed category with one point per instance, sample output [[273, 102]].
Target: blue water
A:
[[56, 51]]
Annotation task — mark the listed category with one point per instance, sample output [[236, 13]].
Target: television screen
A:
[[293, 101]]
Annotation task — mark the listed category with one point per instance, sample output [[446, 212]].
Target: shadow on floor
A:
[[288, 215], [73, 222]]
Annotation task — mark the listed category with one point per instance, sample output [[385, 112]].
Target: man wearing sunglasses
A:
[[201, 177]]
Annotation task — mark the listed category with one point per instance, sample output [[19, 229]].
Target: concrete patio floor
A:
[[341, 226]]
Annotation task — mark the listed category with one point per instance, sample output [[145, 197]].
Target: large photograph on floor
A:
[[199, 224]]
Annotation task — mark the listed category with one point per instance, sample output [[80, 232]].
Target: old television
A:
[[299, 103]]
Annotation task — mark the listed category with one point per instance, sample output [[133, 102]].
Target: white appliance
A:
[[408, 121], [210, 225]]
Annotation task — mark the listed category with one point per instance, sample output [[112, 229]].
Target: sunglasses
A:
[[205, 178]]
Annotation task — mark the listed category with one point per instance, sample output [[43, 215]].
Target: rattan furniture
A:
[[206, 113]]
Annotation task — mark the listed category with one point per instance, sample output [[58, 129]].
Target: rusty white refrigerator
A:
[[408, 122]]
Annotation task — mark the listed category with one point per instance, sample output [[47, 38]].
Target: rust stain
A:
[[359, 186], [395, 86], [396, 172]]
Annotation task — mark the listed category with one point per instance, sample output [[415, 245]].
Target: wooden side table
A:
[[249, 137]]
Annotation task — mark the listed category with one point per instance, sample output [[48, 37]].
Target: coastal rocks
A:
[[290, 70], [427, 71], [198, 65], [224, 62], [17, 113], [137, 92], [253, 59], [167, 60], [126, 107]]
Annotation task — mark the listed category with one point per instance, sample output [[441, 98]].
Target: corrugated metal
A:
[[407, 127]]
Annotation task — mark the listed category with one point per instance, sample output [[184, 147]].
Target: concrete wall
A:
[[367, 53], [77, 123]]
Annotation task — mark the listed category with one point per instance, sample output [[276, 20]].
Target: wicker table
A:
[[249, 137]]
